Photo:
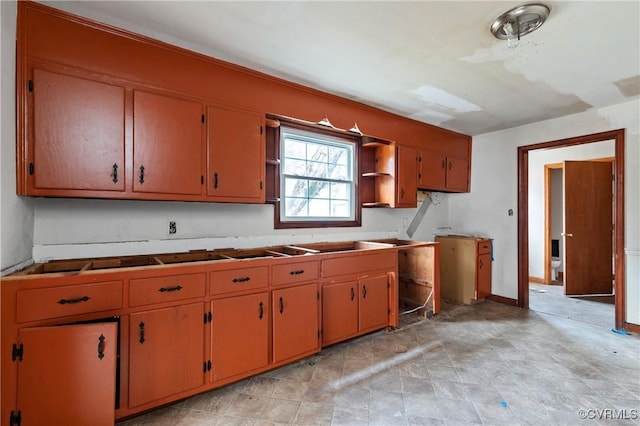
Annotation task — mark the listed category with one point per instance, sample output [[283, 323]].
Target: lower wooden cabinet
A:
[[66, 375], [295, 321], [166, 352], [465, 268], [240, 335], [354, 307]]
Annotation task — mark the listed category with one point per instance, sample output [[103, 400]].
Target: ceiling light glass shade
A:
[[519, 21]]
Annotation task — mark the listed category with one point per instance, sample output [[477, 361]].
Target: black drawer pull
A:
[[72, 301], [261, 314], [353, 293], [281, 305], [114, 174], [141, 178], [141, 327], [168, 289], [101, 340], [297, 272], [364, 291], [241, 280]]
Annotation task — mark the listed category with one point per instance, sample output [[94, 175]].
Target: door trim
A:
[[523, 215]]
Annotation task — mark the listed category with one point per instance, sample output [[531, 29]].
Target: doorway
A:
[[618, 215], [579, 196]]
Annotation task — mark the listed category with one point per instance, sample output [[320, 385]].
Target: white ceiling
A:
[[435, 62]]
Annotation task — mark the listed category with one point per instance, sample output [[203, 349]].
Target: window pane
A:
[[295, 167], [318, 189], [338, 156], [340, 208], [338, 172], [317, 152], [319, 208], [340, 191], [296, 207], [296, 188], [295, 149], [317, 169]]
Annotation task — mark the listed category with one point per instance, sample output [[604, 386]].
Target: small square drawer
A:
[[146, 291], [484, 246], [45, 303], [295, 272], [240, 279]]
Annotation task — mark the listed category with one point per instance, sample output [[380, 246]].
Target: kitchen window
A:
[[317, 179]]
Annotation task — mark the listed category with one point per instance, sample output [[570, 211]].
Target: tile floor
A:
[[482, 364], [550, 299]]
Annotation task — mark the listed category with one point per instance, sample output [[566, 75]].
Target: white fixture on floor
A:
[[555, 264]]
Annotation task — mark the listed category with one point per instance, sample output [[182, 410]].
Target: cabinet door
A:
[[295, 321], [483, 276], [166, 352], [339, 311], [68, 375], [457, 174], [167, 151], [432, 170], [78, 134], [235, 146], [240, 335], [374, 302], [406, 184]]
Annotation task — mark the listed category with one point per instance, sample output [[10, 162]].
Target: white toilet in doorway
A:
[[556, 262]]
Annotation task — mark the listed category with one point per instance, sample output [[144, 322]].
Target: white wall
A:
[[67, 228], [537, 160], [16, 213], [494, 190]]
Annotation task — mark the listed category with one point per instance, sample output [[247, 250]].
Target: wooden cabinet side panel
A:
[[62, 378], [295, 321], [240, 331], [167, 153], [78, 133], [406, 177], [166, 352]]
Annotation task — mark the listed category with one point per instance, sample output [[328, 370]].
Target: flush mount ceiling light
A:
[[519, 21]]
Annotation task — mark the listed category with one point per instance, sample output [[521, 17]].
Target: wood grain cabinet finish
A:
[[465, 268], [78, 135], [167, 144], [166, 352], [388, 173], [441, 172], [67, 375], [295, 321], [217, 328], [235, 149], [240, 335]]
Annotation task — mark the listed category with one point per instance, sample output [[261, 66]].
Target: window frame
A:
[[315, 130]]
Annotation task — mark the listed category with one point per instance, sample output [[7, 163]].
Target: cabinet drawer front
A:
[[295, 272], [146, 291], [358, 264], [45, 303], [484, 247], [239, 279]]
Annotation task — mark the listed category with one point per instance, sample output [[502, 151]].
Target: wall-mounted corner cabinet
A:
[[388, 172], [445, 166]]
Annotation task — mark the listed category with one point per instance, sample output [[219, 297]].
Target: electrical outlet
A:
[[173, 227], [405, 222]]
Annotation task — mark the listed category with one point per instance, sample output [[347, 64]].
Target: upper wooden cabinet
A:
[[444, 164], [235, 155], [388, 174], [167, 144], [77, 138]]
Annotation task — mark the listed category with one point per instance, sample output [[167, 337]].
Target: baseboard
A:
[[634, 328], [536, 280], [502, 299]]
